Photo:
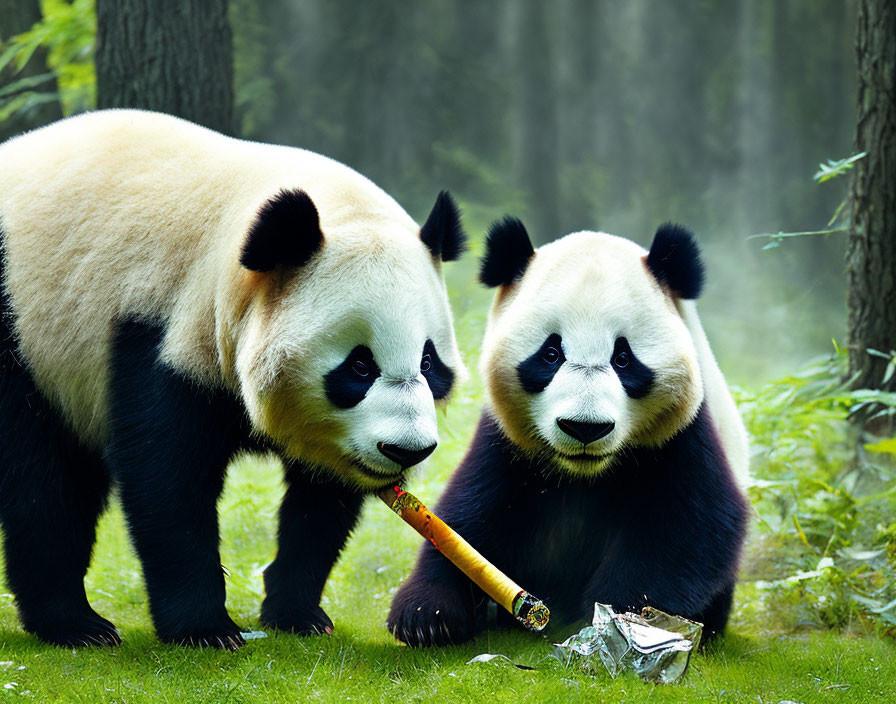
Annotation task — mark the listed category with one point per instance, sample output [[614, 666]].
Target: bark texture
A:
[[871, 252], [173, 56], [17, 16]]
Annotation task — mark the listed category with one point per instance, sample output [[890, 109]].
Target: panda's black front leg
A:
[[676, 547], [169, 445], [316, 517], [641, 577], [438, 604]]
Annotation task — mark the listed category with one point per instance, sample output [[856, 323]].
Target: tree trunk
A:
[[173, 56], [18, 16], [871, 251]]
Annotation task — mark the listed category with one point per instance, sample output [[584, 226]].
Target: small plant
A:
[[826, 551]]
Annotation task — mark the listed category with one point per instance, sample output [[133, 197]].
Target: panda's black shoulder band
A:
[[508, 250], [674, 259], [285, 233]]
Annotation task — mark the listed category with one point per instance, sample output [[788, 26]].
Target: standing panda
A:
[[172, 296], [605, 468]]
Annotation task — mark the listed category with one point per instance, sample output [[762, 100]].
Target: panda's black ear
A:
[[508, 250], [286, 232], [674, 259], [442, 232]]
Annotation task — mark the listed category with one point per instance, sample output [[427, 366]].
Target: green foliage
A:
[[826, 531], [68, 31], [833, 169], [825, 172]]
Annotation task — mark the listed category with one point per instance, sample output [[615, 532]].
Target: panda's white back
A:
[[722, 408], [125, 213]]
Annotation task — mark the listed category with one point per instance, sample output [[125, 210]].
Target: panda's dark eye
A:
[[348, 384], [621, 360], [439, 377], [536, 371], [636, 377]]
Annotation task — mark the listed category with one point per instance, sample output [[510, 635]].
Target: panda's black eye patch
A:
[[537, 371], [636, 377], [437, 374], [347, 385]]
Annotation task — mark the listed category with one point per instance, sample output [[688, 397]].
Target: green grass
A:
[[360, 662]]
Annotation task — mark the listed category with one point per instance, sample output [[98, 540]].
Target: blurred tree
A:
[[537, 151], [586, 114], [871, 252], [19, 16], [174, 56]]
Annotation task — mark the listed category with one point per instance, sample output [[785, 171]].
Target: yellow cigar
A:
[[528, 610]]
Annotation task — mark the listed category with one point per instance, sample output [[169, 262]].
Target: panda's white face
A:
[[345, 363], [586, 355]]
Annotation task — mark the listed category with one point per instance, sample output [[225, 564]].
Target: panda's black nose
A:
[[404, 456], [584, 432]]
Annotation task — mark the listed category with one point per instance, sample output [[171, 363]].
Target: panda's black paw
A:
[[301, 620], [76, 630], [429, 614], [222, 633]]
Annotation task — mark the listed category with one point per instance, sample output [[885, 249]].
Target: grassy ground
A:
[[361, 662]]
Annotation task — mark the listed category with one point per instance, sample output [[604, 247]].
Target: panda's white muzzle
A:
[[394, 427], [583, 413]]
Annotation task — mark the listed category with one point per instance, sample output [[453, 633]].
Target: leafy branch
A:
[[825, 172], [833, 169], [776, 238], [68, 31]]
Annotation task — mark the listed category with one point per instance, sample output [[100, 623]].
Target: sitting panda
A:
[[605, 469], [171, 297]]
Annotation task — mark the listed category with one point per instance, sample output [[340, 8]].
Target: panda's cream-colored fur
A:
[[591, 288], [721, 405], [128, 214]]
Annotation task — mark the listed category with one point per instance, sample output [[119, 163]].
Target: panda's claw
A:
[[219, 632], [81, 630], [303, 621], [430, 615], [230, 642]]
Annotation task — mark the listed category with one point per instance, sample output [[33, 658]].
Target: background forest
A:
[[589, 115], [574, 114]]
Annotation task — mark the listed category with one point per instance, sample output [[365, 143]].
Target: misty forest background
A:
[[590, 115], [573, 115], [767, 126]]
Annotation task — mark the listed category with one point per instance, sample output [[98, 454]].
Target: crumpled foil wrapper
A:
[[655, 645]]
